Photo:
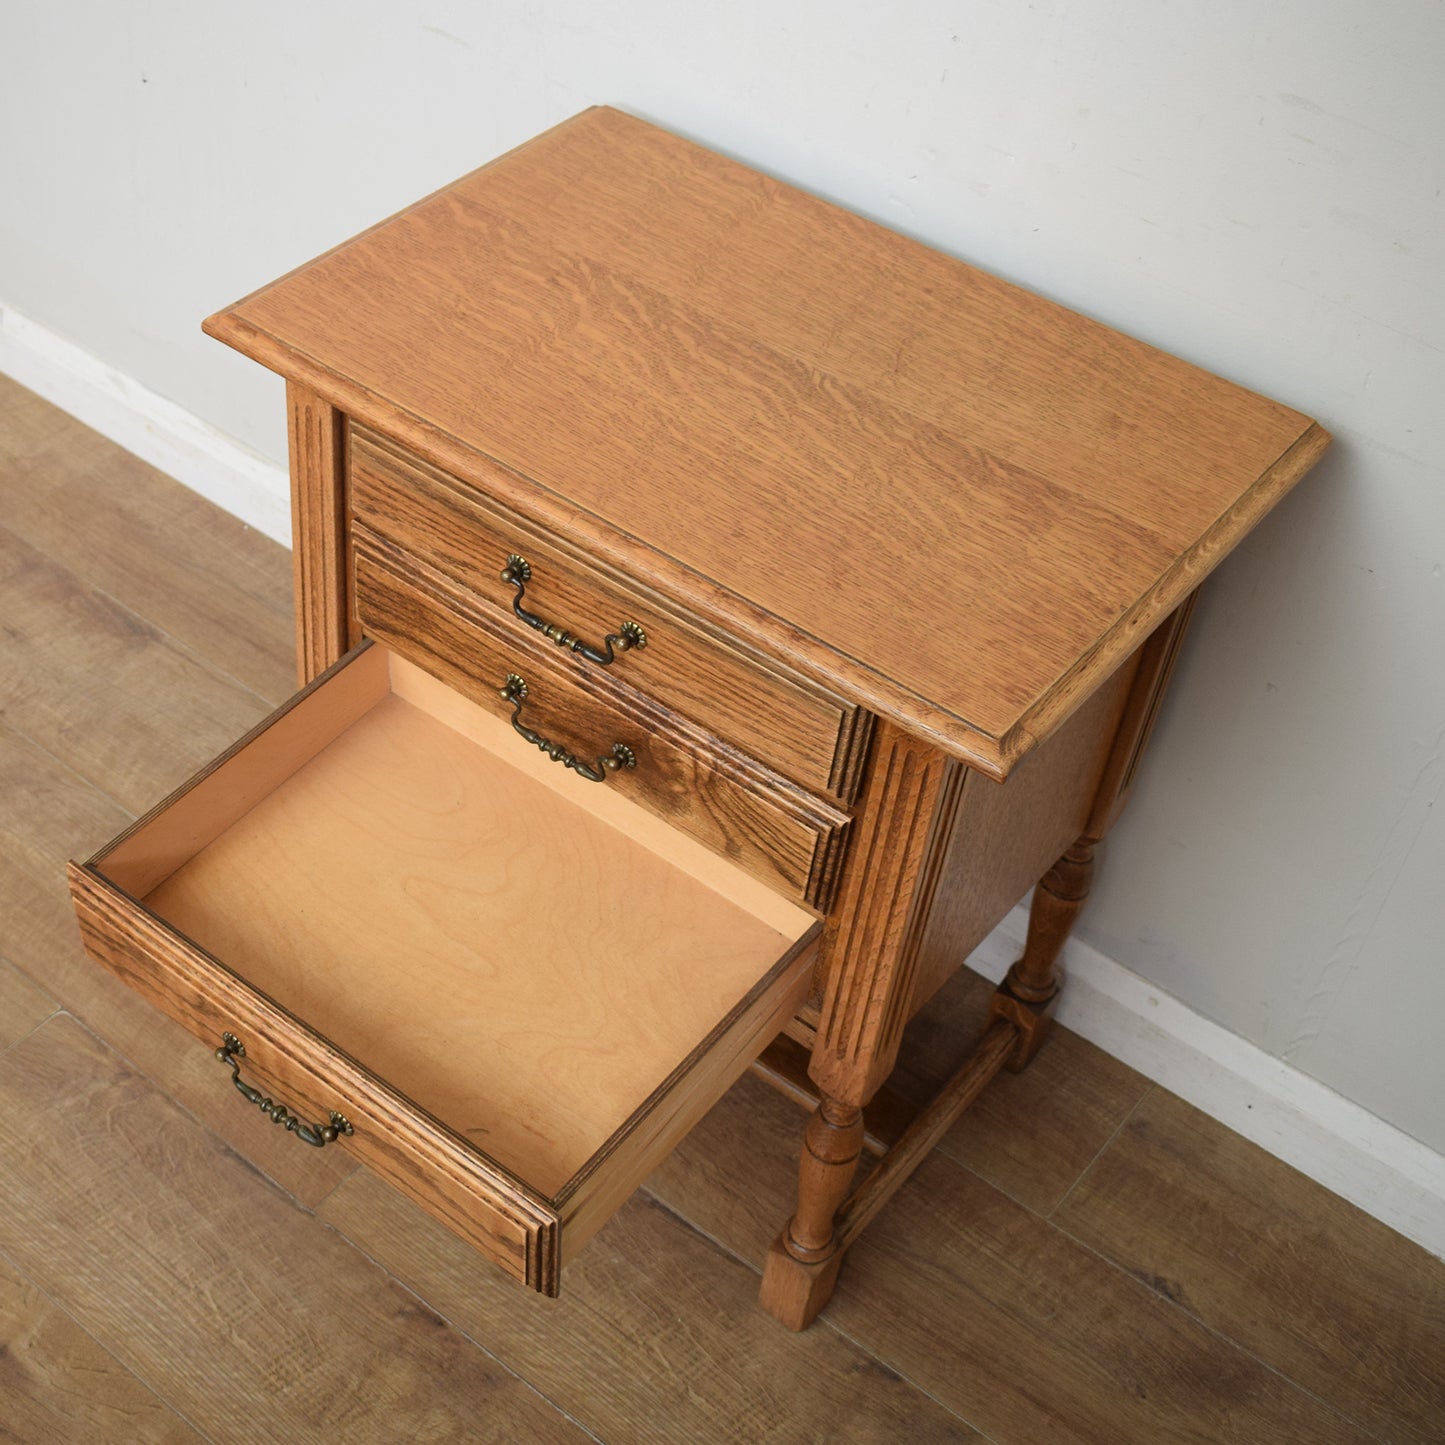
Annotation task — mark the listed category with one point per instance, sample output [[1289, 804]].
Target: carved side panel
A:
[[873, 934], [318, 529], [1156, 667]]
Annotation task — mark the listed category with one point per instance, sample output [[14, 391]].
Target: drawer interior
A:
[[522, 953]]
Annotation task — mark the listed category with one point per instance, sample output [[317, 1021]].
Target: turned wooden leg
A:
[[1027, 997], [802, 1266]]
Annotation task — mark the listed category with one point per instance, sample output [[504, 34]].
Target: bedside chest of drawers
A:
[[714, 613]]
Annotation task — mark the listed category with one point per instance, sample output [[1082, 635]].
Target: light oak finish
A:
[[924, 1133], [1157, 659], [870, 946], [832, 474], [780, 833], [987, 502], [318, 527], [1006, 836], [815, 739], [870, 950], [210, 1281], [290, 892]]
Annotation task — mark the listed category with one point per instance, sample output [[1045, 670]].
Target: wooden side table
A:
[[838, 582]]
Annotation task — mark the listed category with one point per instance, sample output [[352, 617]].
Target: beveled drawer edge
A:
[[854, 721], [223, 991], [850, 755]]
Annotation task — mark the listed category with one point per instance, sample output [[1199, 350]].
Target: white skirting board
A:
[[1347, 1149], [158, 431]]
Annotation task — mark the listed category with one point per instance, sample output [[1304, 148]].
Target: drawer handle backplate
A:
[[514, 691], [318, 1135], [518, 572]]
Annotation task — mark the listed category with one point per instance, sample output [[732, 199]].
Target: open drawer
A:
[[515, 989]]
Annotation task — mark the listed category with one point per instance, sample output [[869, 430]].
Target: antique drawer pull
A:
[[318, 1135], [518, 572], [514, 691]]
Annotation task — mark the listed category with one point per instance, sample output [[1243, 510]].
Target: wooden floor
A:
[[1084, 1258]]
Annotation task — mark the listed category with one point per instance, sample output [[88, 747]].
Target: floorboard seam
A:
[[105, 1349], [38, 1024], [452, 1325], [1099, 1154], [184, 648], [822, 1319], [1220, 1335]]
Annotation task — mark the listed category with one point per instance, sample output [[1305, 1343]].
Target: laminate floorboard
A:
[[1318, 1289], [657, 1336], [57, 1383], [1082, 1259], [1031, 1134], [24, 1005], [50, 813], [242, 1310], [104, 690], [978, 1301], [200, 576]]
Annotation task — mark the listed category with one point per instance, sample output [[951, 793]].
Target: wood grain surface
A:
[[316, 442], [178, 1236], [1031, 1135], [810, 737], [114, 1200], [217, 587], [998, 1315], [534, 1029], [355, 833], [947, 498], [871, 943], [1321, 1292], [57, 1383], [657, 1339], [790, 838], [122, 705]]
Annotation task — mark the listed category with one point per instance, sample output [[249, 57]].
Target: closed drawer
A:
[[800, 730], [517, 998], [779, 832]]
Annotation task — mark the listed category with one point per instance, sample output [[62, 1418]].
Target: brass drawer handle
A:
[[318, 1135], [518, 572], [514, 691]]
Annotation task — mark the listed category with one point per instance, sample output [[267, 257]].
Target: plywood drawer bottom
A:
[[518, 995]]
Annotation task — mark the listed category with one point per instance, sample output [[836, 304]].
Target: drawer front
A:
[[473, 1196], [778, 832], [798, 729]]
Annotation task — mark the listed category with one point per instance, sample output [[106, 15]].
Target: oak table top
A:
[[953, 501]]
